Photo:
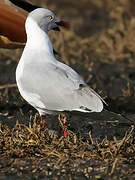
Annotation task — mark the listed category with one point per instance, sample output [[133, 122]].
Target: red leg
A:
[[64, 130], [43, 123], [63, 121]]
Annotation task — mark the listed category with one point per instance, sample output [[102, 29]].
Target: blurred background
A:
[[100, 46]]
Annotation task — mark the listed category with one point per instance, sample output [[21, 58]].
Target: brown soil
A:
[[100, 46]]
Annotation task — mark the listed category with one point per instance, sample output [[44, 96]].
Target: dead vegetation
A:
[[26, 142]]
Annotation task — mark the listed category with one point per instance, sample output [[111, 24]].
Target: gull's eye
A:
[[50, 18]]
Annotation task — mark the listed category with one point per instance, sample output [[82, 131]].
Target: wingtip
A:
[[100, 108]]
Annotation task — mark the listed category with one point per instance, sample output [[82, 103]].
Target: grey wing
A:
[[69, 92]]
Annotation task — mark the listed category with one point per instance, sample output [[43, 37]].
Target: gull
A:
[[44, 82]]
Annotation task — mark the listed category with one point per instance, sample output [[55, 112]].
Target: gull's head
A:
[[45, 19]]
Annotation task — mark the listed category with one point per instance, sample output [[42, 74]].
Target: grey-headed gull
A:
[[47, 84]]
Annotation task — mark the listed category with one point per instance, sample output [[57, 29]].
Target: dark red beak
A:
[[63, 24]]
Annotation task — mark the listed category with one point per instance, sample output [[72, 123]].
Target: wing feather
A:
[[67, 94]]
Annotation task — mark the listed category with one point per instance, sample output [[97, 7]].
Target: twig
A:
[[8, 86], [90, 136], [114, 166]]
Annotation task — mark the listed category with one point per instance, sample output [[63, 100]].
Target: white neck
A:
[[36, 37]]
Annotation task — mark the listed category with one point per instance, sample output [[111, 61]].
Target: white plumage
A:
[[45, 83]]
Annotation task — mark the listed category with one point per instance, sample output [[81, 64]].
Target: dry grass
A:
[[23, 141]]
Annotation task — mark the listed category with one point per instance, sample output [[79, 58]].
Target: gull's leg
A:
[[43, 123], [63, 121]]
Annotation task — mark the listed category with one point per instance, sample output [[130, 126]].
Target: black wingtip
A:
[[24, 5], [56, 53]]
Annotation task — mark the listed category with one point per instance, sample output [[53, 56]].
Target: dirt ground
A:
[[100, 45]]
